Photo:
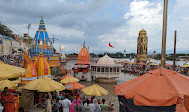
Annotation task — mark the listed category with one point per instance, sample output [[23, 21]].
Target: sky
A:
[[98, 22]]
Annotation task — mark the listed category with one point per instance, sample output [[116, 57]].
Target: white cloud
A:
[[54, 29], [142, 14]]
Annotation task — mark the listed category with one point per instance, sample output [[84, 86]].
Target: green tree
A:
[[4, 30]]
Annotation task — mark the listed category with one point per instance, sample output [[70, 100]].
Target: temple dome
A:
[[42, 66], [32, 73], [83, 56], [106, 61]]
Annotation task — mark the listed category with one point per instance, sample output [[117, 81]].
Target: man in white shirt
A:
[[66, 104]]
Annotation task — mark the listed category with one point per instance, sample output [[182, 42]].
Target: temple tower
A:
[[142, 45], [41, 40], [42, 44]]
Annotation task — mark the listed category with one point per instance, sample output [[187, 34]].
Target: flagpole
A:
[[163, 51]]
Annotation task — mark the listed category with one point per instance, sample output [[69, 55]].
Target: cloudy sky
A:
[[98, 22]]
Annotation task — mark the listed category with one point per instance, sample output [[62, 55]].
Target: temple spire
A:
[[84, 44]]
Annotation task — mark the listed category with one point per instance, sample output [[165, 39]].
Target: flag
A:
[[110, 45], [60, 48], [38, 41], [44, 45]]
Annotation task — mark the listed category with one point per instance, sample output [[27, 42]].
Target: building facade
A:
[[142, 46], [9, 46]]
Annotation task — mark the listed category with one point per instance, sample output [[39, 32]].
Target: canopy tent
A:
[[69, 79], [141, 63], [185, 66], [168, 65], [9, 71], [119, 61], [74, 86], [161, 87], [8, 83], [153, 64], [66, 76], [131, 62], [44, 84], [95, 90], [126, 62]]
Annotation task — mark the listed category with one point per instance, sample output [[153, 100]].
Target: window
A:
[[98, 69], [107, 70], [102, 70]]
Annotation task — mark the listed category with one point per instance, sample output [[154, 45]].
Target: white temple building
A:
[[106, 70]]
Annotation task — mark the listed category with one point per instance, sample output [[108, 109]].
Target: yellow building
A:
[[142, 46]]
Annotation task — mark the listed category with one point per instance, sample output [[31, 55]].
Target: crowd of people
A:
[[66, 102], [11, 59], [142, 69]]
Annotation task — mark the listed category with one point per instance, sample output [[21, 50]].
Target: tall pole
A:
[[163, 51], [175, 41], [29, 25]]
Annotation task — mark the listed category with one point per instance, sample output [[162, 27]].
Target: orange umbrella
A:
[[74, 86], [168, 65], [126, 62], [161, 87], [66, 76], [141, 63]]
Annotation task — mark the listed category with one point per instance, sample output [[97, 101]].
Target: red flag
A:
[[110, 45], [38, 41]]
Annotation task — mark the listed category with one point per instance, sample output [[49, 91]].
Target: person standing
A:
[[8, 102], [72, 106], [103, 106], [86, 107], [3, 93], [56, 106], [96, 106], [79, 106], [66, 104], [48, 104]]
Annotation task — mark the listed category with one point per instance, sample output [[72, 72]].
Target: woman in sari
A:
[[72, 106]]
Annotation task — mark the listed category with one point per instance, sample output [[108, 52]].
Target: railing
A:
[[106, 74]]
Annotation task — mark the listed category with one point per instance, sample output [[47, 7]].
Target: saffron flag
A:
[[60, 47], [44, 45], [111, 45]]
